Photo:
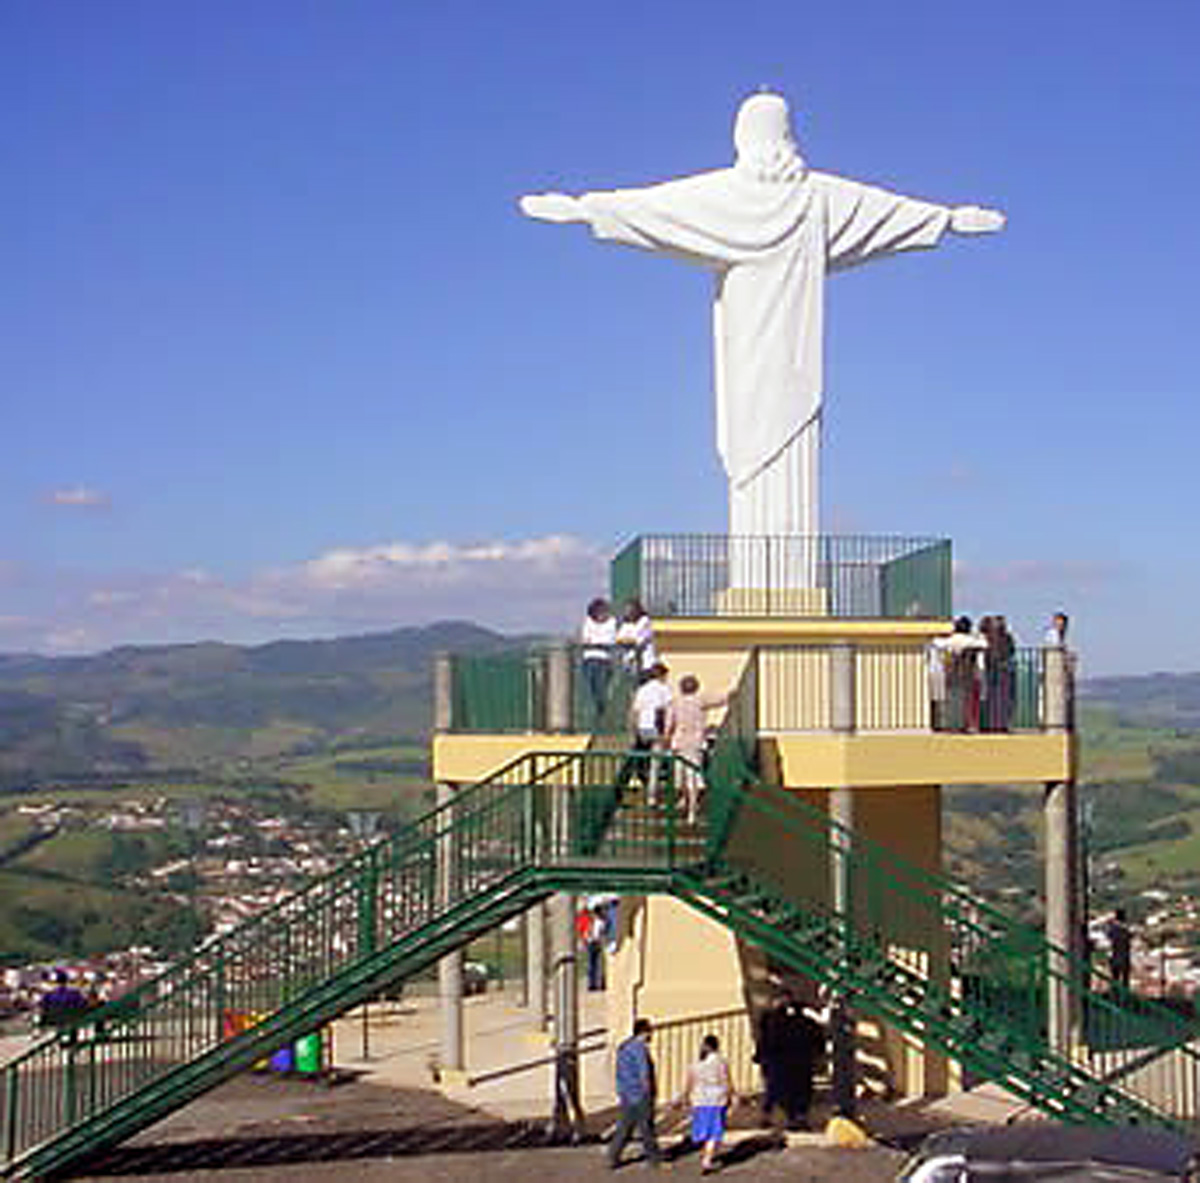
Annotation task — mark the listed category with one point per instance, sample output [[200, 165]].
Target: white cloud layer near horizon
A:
[[528, 585], [537, 584]]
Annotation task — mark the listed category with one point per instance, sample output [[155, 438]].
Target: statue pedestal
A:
[[773, 601]]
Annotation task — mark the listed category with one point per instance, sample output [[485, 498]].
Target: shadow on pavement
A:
[[276, 1150]]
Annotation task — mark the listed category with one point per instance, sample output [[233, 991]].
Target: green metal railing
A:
[[509, 692], [499, 692], [454, 873], [1005, 973], [909, 946], [786, 575], [899, 687]]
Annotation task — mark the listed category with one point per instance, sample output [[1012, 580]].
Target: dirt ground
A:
[[268, 1128]]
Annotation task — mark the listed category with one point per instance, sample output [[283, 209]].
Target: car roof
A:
[[1128, 1146]]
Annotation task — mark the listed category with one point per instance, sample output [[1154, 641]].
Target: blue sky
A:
[[278, 356]]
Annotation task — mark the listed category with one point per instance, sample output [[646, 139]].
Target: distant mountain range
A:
[[210, 708], [1148, 700], [163, 709]]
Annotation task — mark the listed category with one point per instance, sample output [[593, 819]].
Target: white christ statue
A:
[[770, 229]]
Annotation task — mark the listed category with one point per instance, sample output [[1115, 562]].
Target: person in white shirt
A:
[[635, 636], [1056, 634], [957, 662], [648, 716], [709, 1090], [598, 636]]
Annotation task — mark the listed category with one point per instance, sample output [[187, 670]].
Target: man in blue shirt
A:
[[62, 1004], [636, 1094]]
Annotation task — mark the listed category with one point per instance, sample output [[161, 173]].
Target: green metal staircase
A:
[[907, 947]]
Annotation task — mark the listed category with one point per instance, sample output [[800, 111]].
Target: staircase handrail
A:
[[1000, 934], [121, 1010]]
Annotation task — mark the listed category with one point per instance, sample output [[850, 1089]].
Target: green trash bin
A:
[[308, 1057]]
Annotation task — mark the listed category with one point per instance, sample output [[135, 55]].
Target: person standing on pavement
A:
[[709, 1090], [790, 1045], [636, 1089]]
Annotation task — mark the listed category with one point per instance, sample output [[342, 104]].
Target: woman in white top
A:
[[599, 639], [709, 1091], [635, 635]]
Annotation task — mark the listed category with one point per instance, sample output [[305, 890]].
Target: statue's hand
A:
[[974, 219], [551, 207]]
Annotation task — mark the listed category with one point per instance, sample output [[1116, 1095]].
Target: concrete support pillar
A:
[[842, 1020], [1064, 877], [535, 964], [558, 688], [568, 1109], [1063, 911], [452, 1057], [842, 688], [443, 702], [450, 967], [1057, 689]]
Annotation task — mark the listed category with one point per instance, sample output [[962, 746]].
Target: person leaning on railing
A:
[[955, 665], [598, 636], [635, 638], [63, 1003]]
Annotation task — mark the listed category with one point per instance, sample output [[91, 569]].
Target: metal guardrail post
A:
[[368, 912], [11, 1084]]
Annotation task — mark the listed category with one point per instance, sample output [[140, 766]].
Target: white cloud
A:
[[538, 584], [79, 497], [1062, 574]]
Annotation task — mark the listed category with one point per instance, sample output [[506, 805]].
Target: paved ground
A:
[[381, 1116], [263, 1128]]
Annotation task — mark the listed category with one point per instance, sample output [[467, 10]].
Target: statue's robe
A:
[[770, 244]]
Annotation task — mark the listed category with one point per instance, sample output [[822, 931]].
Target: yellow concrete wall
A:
[[891, 688], [464, 759], [877, 760], [671, 962]]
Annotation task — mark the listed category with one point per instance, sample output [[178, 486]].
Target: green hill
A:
[[210, 708]]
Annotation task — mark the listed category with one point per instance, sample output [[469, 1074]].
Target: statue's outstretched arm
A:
[[553, 207], [974, 219]]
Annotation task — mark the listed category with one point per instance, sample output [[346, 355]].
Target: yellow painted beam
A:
[[745, 632], [829, 761]]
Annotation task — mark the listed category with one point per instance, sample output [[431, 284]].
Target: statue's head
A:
[[762, 136]]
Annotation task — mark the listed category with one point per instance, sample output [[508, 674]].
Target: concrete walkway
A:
[[510, 1063], [510, 1073]]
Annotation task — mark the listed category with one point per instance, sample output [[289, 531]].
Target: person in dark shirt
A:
[[636, 1095], [63, 1003], [790, 1045], [1120, 949]]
